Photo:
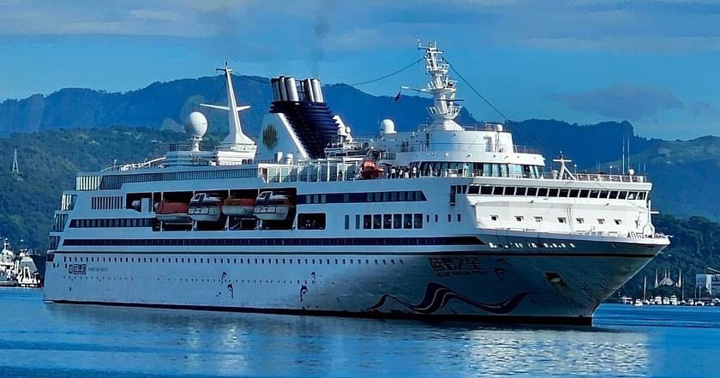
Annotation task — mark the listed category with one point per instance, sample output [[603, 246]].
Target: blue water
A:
[[39, 339]]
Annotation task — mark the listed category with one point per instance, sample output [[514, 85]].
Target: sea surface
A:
[[39, 339]]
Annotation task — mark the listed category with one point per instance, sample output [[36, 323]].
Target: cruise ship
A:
[[443, 222]]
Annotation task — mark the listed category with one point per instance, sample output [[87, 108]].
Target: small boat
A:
[[638, 303], [205, 208], [370, 170], [172, 212], [272, 206], [666, 301], [673, 300], [239, 207]]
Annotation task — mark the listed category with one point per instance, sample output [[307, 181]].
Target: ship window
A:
[[402, 196], [316, 198], [562, 219], [367, 221], [459, 217], [311, 221], [618, 221], [449, 218], [622, 195], [498, 191], [387, 221], [473, 189], [594, 193], [580, 220], [407, 220], [614, 194], [494, 217], [553, 193], [632, 195], [601, 221], [604, 194], [437, 218], [510, 190], [538, 219], [397, 220], [584, 193], [377, 221], [543, 192], [519, 218], [418, 221], [378, 197], [357, 221], [641, 195], [564, 192], [486, 189], [347, 222], [323, 198], [532, 192], [574, 193], [386, 197], [520, 191], [427, 218]]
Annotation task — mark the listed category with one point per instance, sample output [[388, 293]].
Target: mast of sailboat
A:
[[644, 287]]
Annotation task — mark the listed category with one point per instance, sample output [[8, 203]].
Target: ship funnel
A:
[[317, 91], [291, 87], [308, 89], [282, 89]]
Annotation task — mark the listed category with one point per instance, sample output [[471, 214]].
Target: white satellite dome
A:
[[387, 126], [196, 124]]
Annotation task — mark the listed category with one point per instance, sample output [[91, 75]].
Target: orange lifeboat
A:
[[370, 170], [172, 212], [238, 207], [205, 208]]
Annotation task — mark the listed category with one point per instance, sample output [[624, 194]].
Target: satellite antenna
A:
[[15, 168]]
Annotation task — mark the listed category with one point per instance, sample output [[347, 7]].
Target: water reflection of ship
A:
[[25, 268]]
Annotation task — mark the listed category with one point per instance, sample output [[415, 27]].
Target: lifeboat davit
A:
[[272, 206], [205, 208], [370, 170], [172, 212], [239, 207]]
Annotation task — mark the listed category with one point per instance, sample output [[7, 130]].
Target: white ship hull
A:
[[514, 285]]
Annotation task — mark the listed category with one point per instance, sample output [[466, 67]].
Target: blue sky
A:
[[654, 63]]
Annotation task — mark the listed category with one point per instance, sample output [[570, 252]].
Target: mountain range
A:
[[78, 129]]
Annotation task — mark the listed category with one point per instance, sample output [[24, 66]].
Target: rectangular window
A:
[[538, 219], [532, 192], [377, 221], [564, 192], [632, 195], [498, 191], [618, 221], [584, 193], [622, 195], [397, 221], [553, 193], [387, 221], [347, 222], [473, 189], [312, 221], [542, 192], [594, 193], [510, 190], [407, 221], [642, 195], [574, 193], [580, 220], [494, 217], [519, 218], [562, 219], [418, 221], [604, 194], [357, 221], [614, 194], [367, 221], [459, 217], [601, 221], [520, 191], [486, 189]]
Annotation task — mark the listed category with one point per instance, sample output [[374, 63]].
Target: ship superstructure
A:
[[443, 221]]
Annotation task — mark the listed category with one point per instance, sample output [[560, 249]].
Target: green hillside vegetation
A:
[[695, 246], [48, 163]]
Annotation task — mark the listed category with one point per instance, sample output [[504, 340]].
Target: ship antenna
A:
[[235, 140]]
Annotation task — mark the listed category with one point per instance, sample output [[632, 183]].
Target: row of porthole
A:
[[72, 278], [183, 260], [532, 245], [538, 219]]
